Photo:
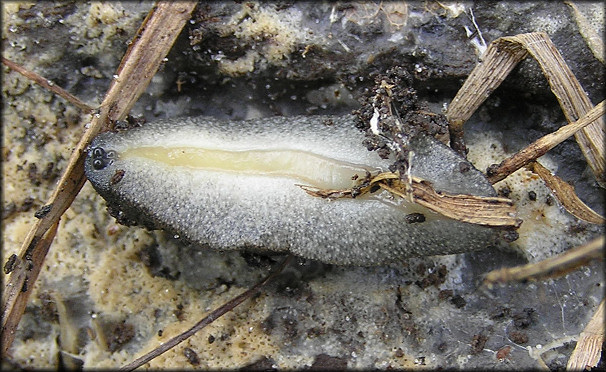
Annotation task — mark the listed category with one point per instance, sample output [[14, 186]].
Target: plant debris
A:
[[392, 115], [501, 56], [481, 210], [551, 267], [565, 194]]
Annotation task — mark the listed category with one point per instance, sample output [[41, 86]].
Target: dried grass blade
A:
[[540, 147], [495, 65], [151, 44], [586, 354], [550, 267], [572, 98], [501, 56], [566, 195]]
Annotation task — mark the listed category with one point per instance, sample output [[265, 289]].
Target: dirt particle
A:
[[191, 356], [10, 265], [445, 294], [518, 337], [503, 352], [26, 205], [458, 301], [179, 313], [43, 211], [415, 218], [478, 342], [524, 318], [119, 335], [117, 177], [504, 191], [493, 168], [434, 277], [327, 362], [464, 167], [510, 236]]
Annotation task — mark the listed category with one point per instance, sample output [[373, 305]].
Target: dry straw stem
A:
[[550, 267], [501, 56], [150, 45], [21, 283], [47, 84], [481, 210], [540, 147], [566, 195], [589, 346]]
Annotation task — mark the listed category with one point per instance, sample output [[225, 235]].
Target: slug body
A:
[[233, 185]]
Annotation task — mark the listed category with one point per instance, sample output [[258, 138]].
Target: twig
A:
[[45, 83], [540, 147], [549, 267], [141, 61], [215, 314]]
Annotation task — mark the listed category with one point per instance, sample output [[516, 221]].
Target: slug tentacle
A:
[[235, 185]]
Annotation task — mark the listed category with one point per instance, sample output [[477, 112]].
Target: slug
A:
[[234, 185]]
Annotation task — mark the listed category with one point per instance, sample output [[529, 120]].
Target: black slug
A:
[[233, 185]]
